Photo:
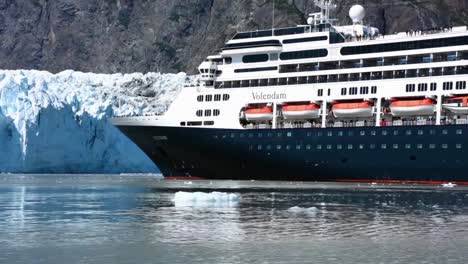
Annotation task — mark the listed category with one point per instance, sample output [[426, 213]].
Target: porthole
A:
[[459, 132]]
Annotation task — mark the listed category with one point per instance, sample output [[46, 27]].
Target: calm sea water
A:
[[139, 219]]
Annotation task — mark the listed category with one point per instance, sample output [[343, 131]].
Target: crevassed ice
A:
[[58, 123], [182, 199]]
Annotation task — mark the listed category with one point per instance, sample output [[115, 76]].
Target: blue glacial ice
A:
[[59, 123]]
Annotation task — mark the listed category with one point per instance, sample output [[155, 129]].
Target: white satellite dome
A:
[[357, 13]]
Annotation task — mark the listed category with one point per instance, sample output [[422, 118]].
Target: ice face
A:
[[58, 123]]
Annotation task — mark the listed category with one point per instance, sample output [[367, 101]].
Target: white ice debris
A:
[[58, 123], [201, 199], [310, 211], [449, 185]]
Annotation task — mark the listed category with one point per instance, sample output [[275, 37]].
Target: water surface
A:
[[135, 219]]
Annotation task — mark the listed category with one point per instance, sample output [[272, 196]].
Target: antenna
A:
[[273, 18]]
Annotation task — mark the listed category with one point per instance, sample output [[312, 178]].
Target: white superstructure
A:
[[354, 68]]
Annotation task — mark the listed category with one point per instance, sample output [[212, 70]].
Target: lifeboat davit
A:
[[356, 109], [457, 105], [264, 113], [301, 111], [412, 107]]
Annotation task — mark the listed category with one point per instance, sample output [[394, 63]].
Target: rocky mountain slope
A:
[[111, 36]]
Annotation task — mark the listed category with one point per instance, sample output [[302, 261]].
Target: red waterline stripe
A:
[[403, 182]]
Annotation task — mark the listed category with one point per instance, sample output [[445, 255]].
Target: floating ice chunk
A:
[[217, 199], [311, 211], [449, 185]]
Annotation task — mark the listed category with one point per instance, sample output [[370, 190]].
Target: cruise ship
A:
[[320, 102]]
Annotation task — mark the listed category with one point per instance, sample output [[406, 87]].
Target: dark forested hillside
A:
[[171, 35]]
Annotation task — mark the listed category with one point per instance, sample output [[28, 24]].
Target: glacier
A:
[[59, 123]]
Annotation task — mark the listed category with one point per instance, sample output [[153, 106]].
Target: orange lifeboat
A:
[[412, 107], [301, 111], [457, 105], [353, 109], [262, 113]]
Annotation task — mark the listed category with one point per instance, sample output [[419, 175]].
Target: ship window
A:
[[200, 98], [288, 147], [447, 86], [263, 82], [298, 146], [251, 135], [182, 123], [256, 69], [208, 123], [343, 91], [226, 97], [260, 135], [353, 90], [278, 147], [207, 112], [227, 60], [255, 58], [373, 89], [194, 123], [373, 133], [433, 86], [254, 44], [329, 92], [395, 146], [259, 147], [460, 85], [362, 133], [319, 134], [199, 113], [329, 146], [383, 146], [320, 92], [422, 87], [319, 146], [216, 112], [364, 90], [408, 132], [384, 132], [268, 147], [303, 54], [273, 82], [217, 97], [408, 146], [444, 146], [445, 132], [350, 133], [410, 88], [330, 133], [432, 146], [350, 146], [361, 146], [289, 134], [339, 146], [340, 133], [459, 131], [420, 132], [208, 98], [279, 134], [299, 40], [459, 146], [308, 146], [372, 146], [395, 132], [420, 146], [432, 132]]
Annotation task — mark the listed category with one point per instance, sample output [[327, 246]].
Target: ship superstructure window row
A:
[[300, 40], [208, 112], [303, 54], [402, 46], [376, 62], [210, 97], [348, 77], [269, 33]]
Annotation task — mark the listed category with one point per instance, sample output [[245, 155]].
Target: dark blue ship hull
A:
[[423, 154]]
